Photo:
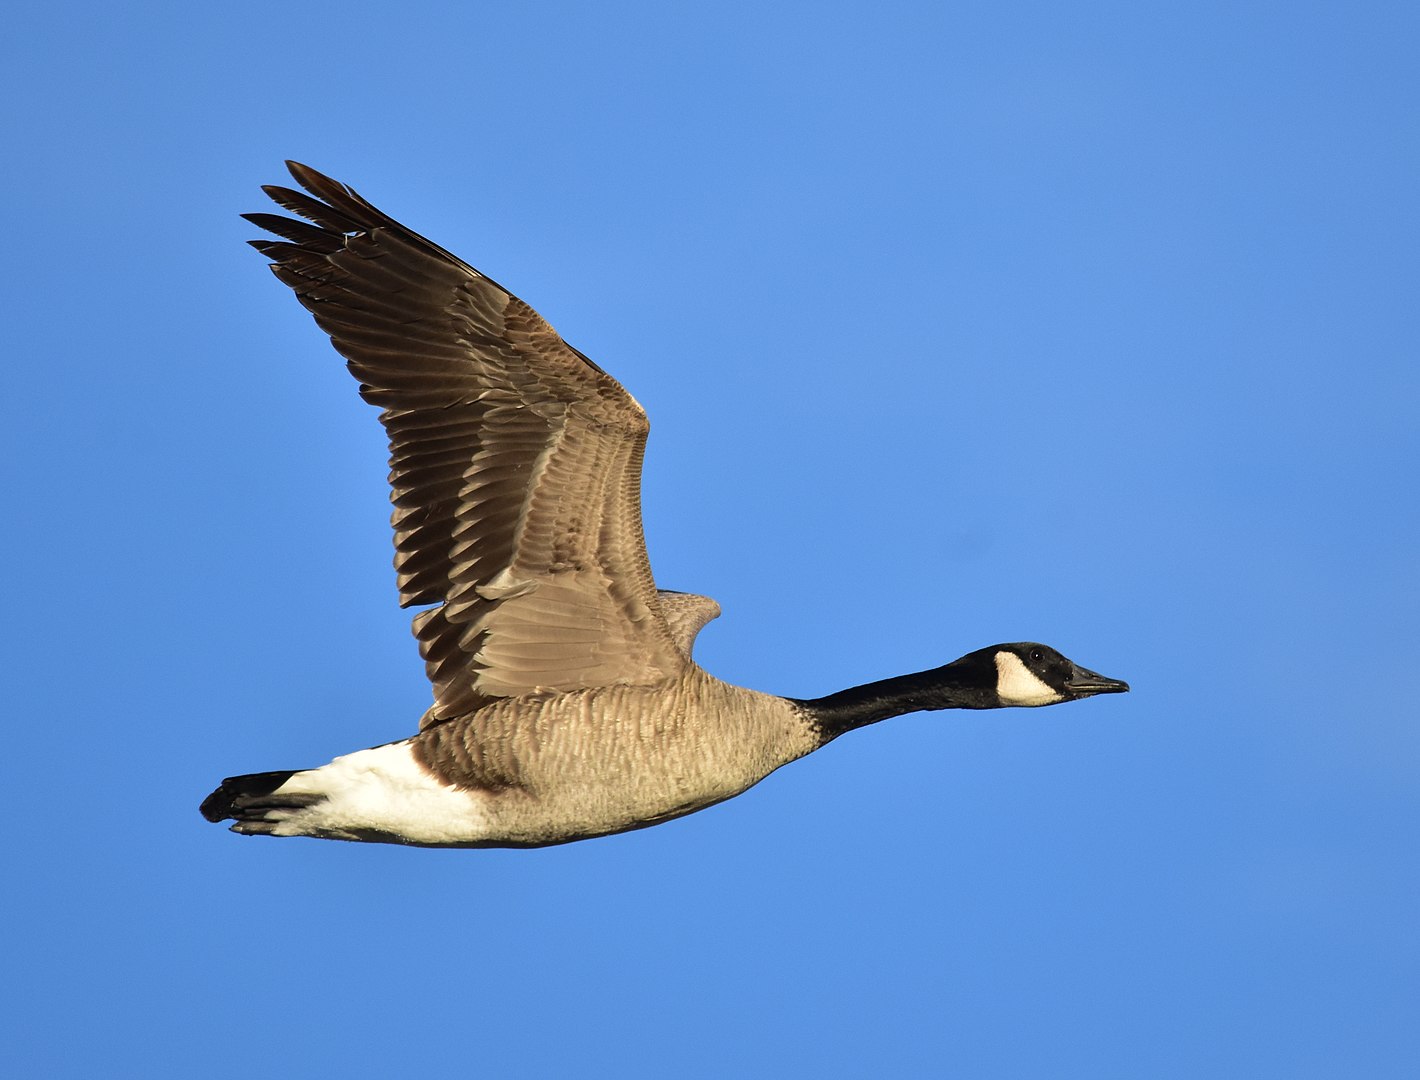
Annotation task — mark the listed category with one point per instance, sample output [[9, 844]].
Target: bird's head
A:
[[1030, 674]]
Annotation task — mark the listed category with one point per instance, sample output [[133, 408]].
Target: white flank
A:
[[1016, 684], [383, 790]]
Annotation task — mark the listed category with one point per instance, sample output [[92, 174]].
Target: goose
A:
[[566, 702]]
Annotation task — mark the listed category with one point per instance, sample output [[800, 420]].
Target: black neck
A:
[[958, 685]]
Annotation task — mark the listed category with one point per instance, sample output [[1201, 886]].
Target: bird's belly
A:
[[604, 798]]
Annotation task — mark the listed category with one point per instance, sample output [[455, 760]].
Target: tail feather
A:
[[247, 798]]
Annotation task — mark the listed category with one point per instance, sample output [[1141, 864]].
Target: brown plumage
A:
[[515, 462], [566, 703]]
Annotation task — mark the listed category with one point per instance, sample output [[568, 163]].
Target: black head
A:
[[1030, 674]]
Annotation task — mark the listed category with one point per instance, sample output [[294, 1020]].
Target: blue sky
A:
[[1091, 324]]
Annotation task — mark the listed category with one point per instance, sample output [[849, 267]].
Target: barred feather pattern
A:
[[515, 462]]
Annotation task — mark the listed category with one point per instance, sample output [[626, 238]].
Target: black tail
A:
[[241, 796]]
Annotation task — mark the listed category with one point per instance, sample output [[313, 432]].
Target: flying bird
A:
[[566, 702]]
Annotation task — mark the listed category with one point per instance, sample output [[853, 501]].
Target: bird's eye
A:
[[1035, 655]]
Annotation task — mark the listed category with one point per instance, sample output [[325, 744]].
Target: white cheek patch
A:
[[1016, 684]]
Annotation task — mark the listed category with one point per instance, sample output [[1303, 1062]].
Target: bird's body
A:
[[566, 701], [548, 769]]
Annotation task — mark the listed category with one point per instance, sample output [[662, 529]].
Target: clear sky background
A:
[[1094, 324]]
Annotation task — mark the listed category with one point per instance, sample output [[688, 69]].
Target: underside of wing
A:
[[515, 461]]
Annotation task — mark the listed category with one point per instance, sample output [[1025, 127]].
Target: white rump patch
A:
[[383, 790], [1016, 684]]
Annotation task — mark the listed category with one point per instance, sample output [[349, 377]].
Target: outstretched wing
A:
[[515, 462]]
